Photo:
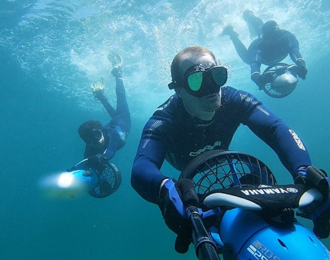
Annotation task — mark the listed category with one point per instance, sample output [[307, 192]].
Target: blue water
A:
[[51, 51]]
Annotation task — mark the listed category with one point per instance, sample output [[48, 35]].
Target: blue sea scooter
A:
[[245, 215]]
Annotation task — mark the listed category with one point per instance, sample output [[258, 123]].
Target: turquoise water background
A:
[[51, 51]]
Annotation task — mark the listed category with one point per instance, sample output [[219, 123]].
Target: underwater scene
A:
[[53, 51]]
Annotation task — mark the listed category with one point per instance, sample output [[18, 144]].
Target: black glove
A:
[[175, 197], [319, 212], [261, 80], [302, 70], [321, 216], [117, 71], [97, 163], [98, 94]]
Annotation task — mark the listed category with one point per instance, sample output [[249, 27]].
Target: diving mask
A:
[[204, 79]]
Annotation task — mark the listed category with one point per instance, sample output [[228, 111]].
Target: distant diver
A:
[[106, 140], [272, 46]]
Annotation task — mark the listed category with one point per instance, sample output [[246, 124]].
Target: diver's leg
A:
[[122, 111], [122, 106], [240, 49], [239, 46]]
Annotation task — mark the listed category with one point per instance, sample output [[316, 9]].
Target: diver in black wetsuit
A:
[[199, 117], [272, 47], [106, 140]]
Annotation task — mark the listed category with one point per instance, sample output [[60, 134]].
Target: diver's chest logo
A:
[[206, 148]]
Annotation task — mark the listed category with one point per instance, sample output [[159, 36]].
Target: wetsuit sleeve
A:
[[88, 152], [111, 111], [255, 53], [275, 132], [146, 176], [293, 46]]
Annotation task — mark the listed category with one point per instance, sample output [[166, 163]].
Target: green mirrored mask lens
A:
[[219, 75], [195, 81]]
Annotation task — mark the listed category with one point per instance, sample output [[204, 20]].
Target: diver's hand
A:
[[321, 216], [261, 80], [318, 212], [174, 197], [98, 89], [97, 163], [98, 94], [302, 70]]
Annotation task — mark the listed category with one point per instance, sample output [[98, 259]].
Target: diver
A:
[[273, 46], [106, 140], [254, 23], [202, 115]]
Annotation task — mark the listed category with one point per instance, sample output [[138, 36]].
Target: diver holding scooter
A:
[[204, 115], [103, 141], [95, 174], [270, 48], [106, 139]]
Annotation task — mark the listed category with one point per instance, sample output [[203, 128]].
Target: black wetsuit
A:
[[117, 129], [172, 134], [273, 51], [267, 53]]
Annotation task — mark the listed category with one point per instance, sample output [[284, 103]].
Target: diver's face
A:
[[209, 103], [97, 139], [195, 104]]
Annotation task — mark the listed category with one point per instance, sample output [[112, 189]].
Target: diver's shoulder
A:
[[286, 33], [170, 107], [228, 90], [230, 94]]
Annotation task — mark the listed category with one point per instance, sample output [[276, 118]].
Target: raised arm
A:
[[98, 92]]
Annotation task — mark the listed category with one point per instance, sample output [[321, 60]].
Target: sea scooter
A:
[[282, 80], [99, 182], [255, 217]]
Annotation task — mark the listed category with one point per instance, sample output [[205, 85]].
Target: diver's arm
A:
[[255, 70], [255, 59], [255, 73], [275, 132], [120, 92], [146, 177], [293, 46], [111, 111], [256, 50], [88, 152]]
